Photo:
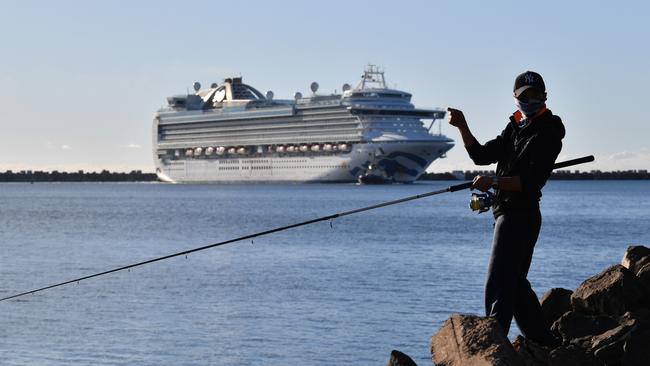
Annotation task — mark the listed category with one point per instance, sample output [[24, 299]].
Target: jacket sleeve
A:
[[490, 152], [543, 152]]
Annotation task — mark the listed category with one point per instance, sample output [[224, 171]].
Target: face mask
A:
[[529, 109]]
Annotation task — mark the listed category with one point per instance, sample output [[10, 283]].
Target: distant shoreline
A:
[[29, 176], [556, 175]]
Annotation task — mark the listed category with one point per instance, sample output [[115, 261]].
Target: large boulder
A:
[[574, 325], [612, 292], [555, 302], [398, 358], [470, 340], [633, 255]]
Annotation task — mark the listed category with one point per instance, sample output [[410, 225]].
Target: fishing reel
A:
[[481, 202]]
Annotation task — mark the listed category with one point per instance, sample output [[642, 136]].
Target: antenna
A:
[[372, 78], [196, 86], [297, 95], [269, 95], [314, 87]]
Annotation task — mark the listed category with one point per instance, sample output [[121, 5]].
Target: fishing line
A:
[[453, 188]]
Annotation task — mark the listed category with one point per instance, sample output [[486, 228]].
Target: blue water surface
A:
[[345, 293]]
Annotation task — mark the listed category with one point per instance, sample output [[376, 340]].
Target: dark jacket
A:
[[528, 152]]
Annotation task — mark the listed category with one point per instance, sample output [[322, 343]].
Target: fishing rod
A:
[[454, 188]]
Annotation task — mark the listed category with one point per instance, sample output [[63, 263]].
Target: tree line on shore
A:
[[78, 176], [139, 176]]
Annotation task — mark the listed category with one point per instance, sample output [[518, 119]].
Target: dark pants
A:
[[507, 291]]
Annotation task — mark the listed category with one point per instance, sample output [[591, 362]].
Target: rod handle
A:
[[460, 187]]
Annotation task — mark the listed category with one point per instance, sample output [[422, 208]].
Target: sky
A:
[[81, 80]]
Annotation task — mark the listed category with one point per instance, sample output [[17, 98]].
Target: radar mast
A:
[[373, 78]]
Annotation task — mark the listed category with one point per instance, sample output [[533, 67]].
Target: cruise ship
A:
[[233, 133]]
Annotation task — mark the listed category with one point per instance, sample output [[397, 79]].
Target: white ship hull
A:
[[398, 162]]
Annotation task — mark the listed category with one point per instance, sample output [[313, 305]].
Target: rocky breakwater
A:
[[605, 321]]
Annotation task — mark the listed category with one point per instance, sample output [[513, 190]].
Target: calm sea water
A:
[[315, 295]]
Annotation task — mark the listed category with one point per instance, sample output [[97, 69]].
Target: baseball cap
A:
[[527, 80]]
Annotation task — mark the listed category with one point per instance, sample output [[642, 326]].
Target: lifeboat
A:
[[315, 147], [177, 153], [327, 147], [304, 148], [189, 152], [241, 151], [221, 150], [232, 150], [344, 147], [198, 151], [291, 148], [209, 151], [279, 149]]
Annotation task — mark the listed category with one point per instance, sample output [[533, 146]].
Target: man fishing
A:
[[525, 152]]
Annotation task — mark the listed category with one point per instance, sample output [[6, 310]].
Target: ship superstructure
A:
[[233, 133]]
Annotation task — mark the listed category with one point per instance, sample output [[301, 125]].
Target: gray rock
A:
[[531, 353], [573, 356], [643, 274], [398, 358], [573, 325], [470, 340], [612, 292], [637, 348], [640, 263], [634, 254], [608, 346], [555, 302], [640, 316], [582, 342], [611, 353]]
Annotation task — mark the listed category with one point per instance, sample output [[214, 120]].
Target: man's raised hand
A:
[[456, 118]]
